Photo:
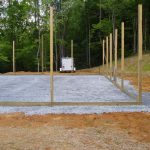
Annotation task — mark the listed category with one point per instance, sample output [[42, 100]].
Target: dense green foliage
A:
[[87, 22]]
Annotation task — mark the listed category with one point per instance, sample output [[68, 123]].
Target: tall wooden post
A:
[[51, 56], [110, 47], [140, 42], [72, 54], [14, 66], [122, 55], [42, 54], [103, 53], [72, 48], [116, 58], [107, 53]]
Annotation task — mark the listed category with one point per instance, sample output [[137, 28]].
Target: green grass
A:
[[146, 63], [131, 64]]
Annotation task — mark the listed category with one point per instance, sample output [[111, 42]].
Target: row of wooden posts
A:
[[42, 57], [51, 55], [111, 70], [109, 59]]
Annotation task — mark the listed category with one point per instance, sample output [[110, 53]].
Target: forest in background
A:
[[87, 22]]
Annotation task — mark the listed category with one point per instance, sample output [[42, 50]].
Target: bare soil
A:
[[112, 131], [78, 72], [145, 81]]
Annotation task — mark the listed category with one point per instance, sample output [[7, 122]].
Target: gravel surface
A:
[[35, 88], [146, 98], [74, 109]]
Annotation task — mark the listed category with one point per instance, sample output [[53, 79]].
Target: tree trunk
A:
[[145, 34], [135, 37], [135, 28], [114, 26]]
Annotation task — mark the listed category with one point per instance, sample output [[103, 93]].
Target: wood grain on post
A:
[[140, 49], [122, 54], [14, 66], [51, 56]]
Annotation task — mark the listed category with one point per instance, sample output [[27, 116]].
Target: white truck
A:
[[67, 65]]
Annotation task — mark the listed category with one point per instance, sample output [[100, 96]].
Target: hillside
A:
[[130, 65]]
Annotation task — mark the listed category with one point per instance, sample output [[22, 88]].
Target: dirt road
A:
[[114, 131]]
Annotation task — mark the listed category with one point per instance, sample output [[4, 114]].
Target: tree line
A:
[[86, 22]]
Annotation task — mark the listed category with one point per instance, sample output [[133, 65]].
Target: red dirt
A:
[[145, 82], [128, 128]]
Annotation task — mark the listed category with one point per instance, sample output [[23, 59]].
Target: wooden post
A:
[[122, 55], [72, 54], [116, 46], [51, 56], [140, 48], [103, 53], [14, 66], [72, 48], [42, 55], [110, 47], [107, 53]]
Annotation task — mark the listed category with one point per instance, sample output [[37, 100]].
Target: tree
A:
[[25, 21]]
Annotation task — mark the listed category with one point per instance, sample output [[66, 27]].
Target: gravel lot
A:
[[81, 88], [36, 88]]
